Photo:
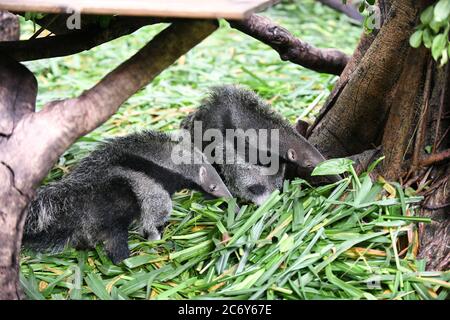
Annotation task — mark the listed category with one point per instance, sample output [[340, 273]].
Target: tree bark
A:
[[363, 45], [343, 130], [393, 97], [403, 109], [435, 237], [41, 137]]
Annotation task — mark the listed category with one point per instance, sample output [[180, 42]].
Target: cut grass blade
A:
[[94, 281]]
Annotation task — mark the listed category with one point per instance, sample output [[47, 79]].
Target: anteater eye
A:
[[308, 164], [212, 187]]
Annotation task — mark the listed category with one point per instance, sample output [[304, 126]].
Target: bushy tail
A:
[[46, 227]]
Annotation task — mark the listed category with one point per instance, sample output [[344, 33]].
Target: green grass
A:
[[337, 241], [331, 242]]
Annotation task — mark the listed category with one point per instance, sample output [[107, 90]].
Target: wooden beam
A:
[[205, 9]]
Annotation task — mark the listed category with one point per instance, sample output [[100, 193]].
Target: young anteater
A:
[[231, 107], [251, 182], [127, 179]]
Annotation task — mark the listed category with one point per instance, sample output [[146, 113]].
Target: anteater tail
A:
[[46, 226]]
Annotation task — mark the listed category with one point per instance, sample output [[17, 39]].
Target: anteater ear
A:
[[301, 127], [202, 174], [292, 155]]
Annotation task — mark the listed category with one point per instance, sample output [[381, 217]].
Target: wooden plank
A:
[[228, 9]]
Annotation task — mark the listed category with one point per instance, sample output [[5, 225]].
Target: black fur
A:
[[127, 179], [232, 107]]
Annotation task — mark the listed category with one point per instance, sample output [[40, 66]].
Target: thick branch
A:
[[290, 48], [73, 42], [347, 9]]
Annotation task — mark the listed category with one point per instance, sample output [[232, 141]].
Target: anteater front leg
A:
[[154, 201], [116, 246], [156, 207]]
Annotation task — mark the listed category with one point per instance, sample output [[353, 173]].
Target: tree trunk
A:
[[395, 97]]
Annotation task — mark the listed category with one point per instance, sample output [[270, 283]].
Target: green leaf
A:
[[444, 58], [136, 261], [166, 294], [351, 290], [374, 164], [345, 246], [142, 280], [94, 281], [191, 252], [439, 45], [299, 215], [416, 39], [55, 282], [427, 38], [332, 167], [362, 192], [266, 206], [31, 290], [427, 15], [76, 292], [436, 26], [286, 243], [248, 281], [442, 10]]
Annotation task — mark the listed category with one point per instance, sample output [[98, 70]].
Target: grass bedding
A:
[[351, 240]]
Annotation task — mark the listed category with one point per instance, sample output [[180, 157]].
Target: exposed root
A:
[[435, 158]]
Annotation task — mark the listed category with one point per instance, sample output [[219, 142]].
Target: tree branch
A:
[[435, 158], [290, 48], [73, 42]]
